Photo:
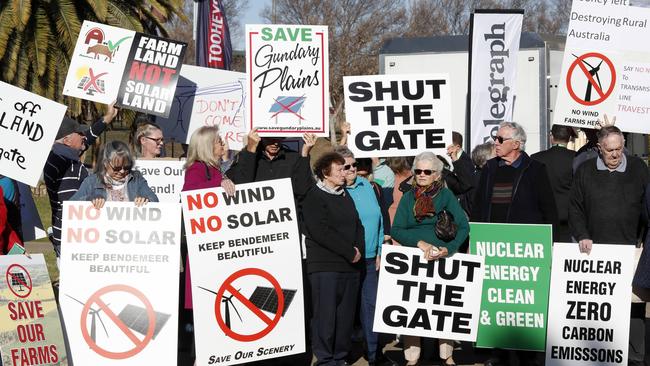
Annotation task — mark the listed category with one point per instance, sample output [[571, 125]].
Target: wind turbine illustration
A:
[[593, 72], [94, 313], [229, 303]]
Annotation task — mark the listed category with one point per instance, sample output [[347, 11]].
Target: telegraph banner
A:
[[494, 46], [516, 284], [136, 70], [606, 67], [30, 328], [398, 115], [438, 298], [288, 79], [28, 127], [119, 265], [247, 286], [589, 305]]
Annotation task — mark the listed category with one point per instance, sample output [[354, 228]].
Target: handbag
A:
[[445, 229]]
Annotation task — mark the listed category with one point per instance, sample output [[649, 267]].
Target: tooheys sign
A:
[[493, 56], [213, 48]]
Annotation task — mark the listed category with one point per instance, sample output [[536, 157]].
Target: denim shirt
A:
[[136, 186]]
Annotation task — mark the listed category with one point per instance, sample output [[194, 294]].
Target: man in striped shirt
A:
[[64, 171]]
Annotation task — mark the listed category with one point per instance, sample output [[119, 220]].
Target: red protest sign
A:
[[591, 77], [19, 281]]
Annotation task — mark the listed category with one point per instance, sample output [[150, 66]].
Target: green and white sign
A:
[[516, 284]]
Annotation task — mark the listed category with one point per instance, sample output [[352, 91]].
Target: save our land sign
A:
[[516, 284], [606, 67], [119, 275], [165, 177], [137, 70], [28, 127], [398, 115], [247, 286], [589, 307], [30, 328], [288, 79], [428, 298]]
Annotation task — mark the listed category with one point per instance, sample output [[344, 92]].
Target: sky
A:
[[251, 16]]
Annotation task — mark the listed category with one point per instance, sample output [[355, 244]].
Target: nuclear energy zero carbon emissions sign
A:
[[246, 272], [113, 262]]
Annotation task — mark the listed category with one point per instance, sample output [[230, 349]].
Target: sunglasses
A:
[[348, 166], [501, 139], [425, 171], [157, 141], [125, 168]]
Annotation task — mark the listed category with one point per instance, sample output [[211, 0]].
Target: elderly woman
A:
[[335, 246], [414, 226], [115, 180], [203, 164], [147, 139]]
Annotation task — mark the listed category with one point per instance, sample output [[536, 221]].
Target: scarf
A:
[[110, 182], [424, 200]]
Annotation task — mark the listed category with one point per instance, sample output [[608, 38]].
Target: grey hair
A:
[[436, 164], [113, 149], [518, 135], [343, 151], [482, 153], [606, 131]]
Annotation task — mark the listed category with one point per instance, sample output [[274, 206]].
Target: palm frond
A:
[[11, 58], [100, 8], [67, 23], [22, 69], [160, 27], [22, 11], [40, 41], [6, 28], [120, 17]]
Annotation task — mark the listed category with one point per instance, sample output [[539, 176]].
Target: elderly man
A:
[[606, 207], [64, 171]]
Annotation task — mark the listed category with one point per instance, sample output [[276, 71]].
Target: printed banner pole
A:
[[213, 47]]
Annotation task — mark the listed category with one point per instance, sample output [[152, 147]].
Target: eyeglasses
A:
[[125, 168], [159, 140], [425, 171], [219, 141], [501, 139], [348, 166]]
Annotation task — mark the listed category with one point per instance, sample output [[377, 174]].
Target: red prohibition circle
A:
[[578, 62], [9, 277], [139, 344], [227, 286]]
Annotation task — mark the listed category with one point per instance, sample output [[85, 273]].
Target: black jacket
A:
[[532, 196], [464, 169]]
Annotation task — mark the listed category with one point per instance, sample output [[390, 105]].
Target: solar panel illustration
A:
[[18, 279], [266, 299], [136, 318]]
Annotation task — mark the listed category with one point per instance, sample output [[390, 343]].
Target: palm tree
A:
[[37, 37]]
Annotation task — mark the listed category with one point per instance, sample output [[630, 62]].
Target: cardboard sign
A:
[[288, 79], [28, 127], [165, 177], [119, 275], [30, 328], [247, 286], [589, 307], [208, 97], [398, 115], [516, 284], [438, 299], [606, 67], [137, 70]]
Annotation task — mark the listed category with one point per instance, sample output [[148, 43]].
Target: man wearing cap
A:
[[64, 171]]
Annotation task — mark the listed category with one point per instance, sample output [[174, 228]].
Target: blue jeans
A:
[[368, 300]]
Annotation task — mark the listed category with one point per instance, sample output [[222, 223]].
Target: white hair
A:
[[436, 164], [518, 133]]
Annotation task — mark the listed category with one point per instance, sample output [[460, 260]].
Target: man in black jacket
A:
[[559, 161], [464, 170]]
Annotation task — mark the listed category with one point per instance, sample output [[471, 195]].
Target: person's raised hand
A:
[[605, 122], [253, 139], [310, 141], [111, 113]]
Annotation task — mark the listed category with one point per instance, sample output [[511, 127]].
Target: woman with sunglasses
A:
[[115, 180], [147, 139], [414, 226]]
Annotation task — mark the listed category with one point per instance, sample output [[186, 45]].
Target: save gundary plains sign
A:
[[137, 70]]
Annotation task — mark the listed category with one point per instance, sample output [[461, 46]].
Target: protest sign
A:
[[606, 67], [165, 177], [28, 127], [589, 311], [493, 72], [516, 284], [398, 115], [288, 79], [119, 275], [438, 298], [137, 70], [30, 328], [208, 97], [246, 272]]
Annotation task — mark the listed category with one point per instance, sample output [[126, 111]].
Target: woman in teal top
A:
[[414, 226]]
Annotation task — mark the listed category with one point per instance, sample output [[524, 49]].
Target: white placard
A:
[[119, 281], [98, 62], [165, 177], [28, 127], [438, 299], [606, 67], [589, 305], [245, 254], [288, 79], [398, 115]]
